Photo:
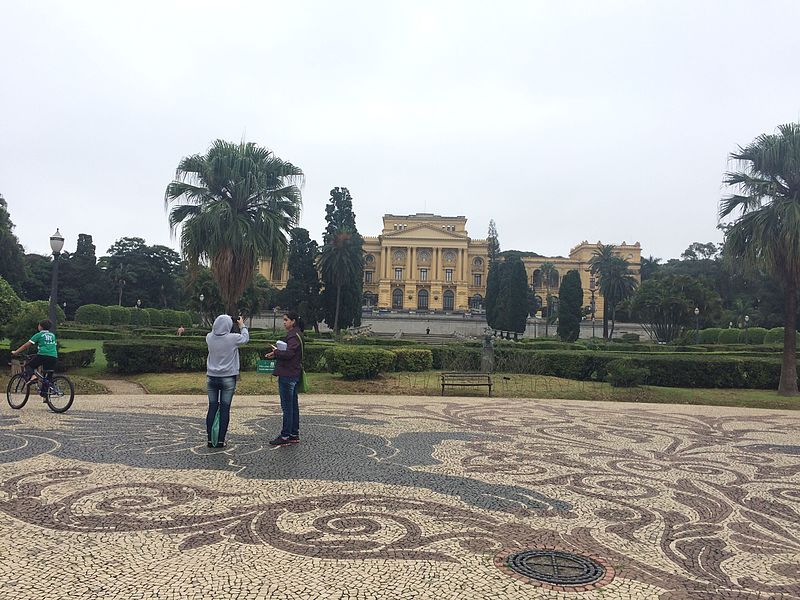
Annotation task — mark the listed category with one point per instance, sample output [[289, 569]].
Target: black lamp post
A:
[[56, 244], [592, 291], [274, 315], [202, 314], [696, 325], [746, 323]]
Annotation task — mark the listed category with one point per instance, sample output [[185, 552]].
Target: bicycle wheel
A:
[[17, 392], [60, 394]]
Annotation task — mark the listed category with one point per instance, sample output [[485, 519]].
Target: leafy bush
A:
[[729, 336], [155, 316], [173, 318], [755, 335], [24, 324], [455, 357], [93, 314], [81, 334], [359, 363], [44, 307], [10, 304], [412, 359], [630, 337], [775, 336], [621, 373], [710, 335], [119, 315], [140, 317], [67, 359]]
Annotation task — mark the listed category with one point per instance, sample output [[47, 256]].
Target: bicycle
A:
[[57, 391]]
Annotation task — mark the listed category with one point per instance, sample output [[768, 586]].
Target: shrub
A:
[[80, 334], [621, 373], [140, 317], [709, 335], [728, 336], [412, 359], [456, 358], [119, 315], [155, 316], [172, 318], [24, 324], [44, 307], [10, 304], [93, 314], [775, 336], [358, 363], [67, 359], [630, 337], [755, 335]]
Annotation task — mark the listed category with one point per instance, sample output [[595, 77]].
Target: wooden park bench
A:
[[467, 379]]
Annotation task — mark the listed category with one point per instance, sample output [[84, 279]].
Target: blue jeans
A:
[[220, 395], [287, 388]]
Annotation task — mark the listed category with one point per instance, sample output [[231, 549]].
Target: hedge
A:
[[67, 359], [359, 363], [119, 315], [88, 334], [44, 307], [729, 336], [775, 336], [755, 335], [621, 373], [710, 335], [140, 317], [155, 316], [412, 359], [93, 314]]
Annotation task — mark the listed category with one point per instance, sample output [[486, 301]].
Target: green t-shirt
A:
[[46, 342]]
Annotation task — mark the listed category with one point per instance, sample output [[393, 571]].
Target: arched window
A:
[[448, 300], [476, 302], [422, 300], [537, 279], [397, 298], [553, 279]]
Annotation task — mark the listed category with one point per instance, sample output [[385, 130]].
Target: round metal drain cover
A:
[[556, 567]]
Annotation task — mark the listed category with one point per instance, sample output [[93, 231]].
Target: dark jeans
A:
[[287, 388], [48, 363], [220, 395]]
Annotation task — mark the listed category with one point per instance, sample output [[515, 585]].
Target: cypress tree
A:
[[303, 287], [570, 309], [512, 308]]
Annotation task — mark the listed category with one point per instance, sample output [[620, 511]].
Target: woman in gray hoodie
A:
[[222, 369]]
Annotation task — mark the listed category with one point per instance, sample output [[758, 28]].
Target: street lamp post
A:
[[746, 323], [56, 244], [696, 325], [274, 315], [139, 303], [202, 314]]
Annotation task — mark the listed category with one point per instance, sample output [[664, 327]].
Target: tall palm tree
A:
[[121, 276], [598, 264], [236, 204], [617, 284], [767, 233], [340, 263], [546, 273]]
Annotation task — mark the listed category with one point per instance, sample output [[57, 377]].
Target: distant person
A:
[[47, 353], [222, 369], [181, 330], [288, 370]]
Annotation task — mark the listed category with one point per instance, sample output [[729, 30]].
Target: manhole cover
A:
[[556, 567]]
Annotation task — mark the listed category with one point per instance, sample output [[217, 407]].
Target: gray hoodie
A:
[[223, 348]]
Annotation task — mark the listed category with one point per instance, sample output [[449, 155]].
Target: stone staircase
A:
[[433, 339]]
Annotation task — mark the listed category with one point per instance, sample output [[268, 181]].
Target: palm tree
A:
[[617, 284], [598, 264], [122, 275], [648, 267], [236, 204], [767, 233], [340, 263], [546, 273]]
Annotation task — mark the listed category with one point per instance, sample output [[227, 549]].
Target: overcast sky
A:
[[598, 120]]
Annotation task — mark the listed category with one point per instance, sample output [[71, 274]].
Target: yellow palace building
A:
[[426, 262]]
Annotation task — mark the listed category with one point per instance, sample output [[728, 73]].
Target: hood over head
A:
[[222, 325]]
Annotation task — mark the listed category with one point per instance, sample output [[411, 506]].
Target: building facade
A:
[[426, 262]]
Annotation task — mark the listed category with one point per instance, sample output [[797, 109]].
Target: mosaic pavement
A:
[[397, 498]]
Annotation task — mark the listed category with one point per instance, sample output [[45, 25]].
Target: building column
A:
[[412, 262]]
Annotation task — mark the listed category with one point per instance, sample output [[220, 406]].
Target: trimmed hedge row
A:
[[67, 359], [751, 335], [359, 363], [94, 314]]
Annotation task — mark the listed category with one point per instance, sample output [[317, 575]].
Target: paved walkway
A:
[[399, 497]]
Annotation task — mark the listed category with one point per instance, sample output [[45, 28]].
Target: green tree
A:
[[547, 272], [617, 284], [10, 304], [598, 263], [121, 276], [341, 263], [766, 234], [81, 281], [665, 305], [235, 205], [258, 296], [648, 267], [699, 251], [12, 256], [493, 243], [302, 291], [570, 307], [492, 293], [37, 282]]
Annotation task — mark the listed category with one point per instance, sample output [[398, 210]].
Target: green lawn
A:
[[509, 386]]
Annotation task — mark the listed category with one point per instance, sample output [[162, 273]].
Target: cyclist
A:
[[46, 356]]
